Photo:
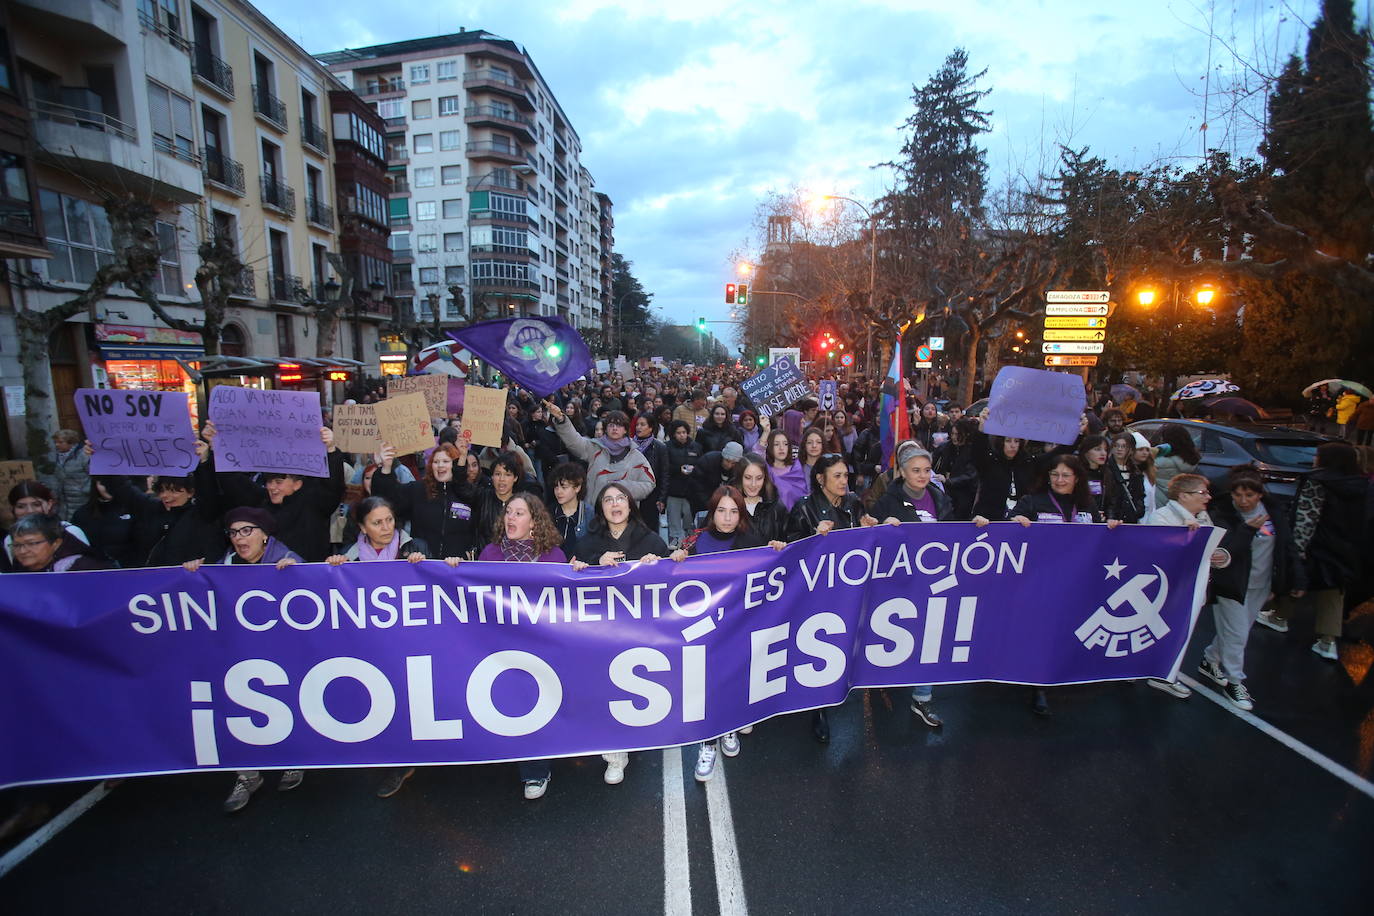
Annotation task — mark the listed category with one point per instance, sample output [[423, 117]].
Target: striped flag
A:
[[892, 423]]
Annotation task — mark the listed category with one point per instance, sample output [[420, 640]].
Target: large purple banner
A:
[[152, 671]]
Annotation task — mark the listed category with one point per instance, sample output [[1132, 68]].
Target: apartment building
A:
[[491, 210], [212, 114]]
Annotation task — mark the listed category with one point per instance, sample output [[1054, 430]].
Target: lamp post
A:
[[872, 271], [1202, 296]]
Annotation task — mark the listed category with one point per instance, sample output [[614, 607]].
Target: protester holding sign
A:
[[439, 507], [829, 506], [1006, 473], [617, 535], [728, 528], [301, 506], [179, 521], [251, 533], [109, 527]]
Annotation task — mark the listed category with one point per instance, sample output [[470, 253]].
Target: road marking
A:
[[1351, 778], [677, 875], [729, 878], [51, 829]]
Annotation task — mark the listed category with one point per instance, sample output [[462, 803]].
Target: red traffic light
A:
[[730, 294]]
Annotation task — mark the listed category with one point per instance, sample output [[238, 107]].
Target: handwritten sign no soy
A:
[[138, 432], [271, 431]]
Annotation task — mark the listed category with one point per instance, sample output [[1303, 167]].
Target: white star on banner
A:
[[1114, 568]]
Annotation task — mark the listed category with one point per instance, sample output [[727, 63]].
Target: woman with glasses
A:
[[915, 500], [379, 538], [250, 532], [1060, 495], [526, 534], [609, 458], [1123, 481], [828, 507], [41, 543], [617, 536], [728, 528]]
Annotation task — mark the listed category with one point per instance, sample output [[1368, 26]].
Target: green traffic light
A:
[[759, 360]]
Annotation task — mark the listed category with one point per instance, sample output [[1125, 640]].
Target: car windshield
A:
[[1292, 452]]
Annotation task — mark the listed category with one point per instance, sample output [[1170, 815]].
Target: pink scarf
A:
[[389, 552]]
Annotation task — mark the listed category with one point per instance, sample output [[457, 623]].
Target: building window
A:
[[453, 209], [400, 210], [429, 275], [453, 275], [169, 261], [286, 336], [448, 69], [419, 73], [451, 174], [425, 209], [173, 129], [427, 243], [78, 234], [424, 178], [448, 105], [500, 270], [399, 242], [450, 139], [392, 108], [453, 241], [421, 109], [367, 136], [369, 203], [422, 143]]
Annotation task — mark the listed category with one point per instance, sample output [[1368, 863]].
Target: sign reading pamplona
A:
[[393, 663]]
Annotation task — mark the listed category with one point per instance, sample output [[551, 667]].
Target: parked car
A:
[[1282, 454]]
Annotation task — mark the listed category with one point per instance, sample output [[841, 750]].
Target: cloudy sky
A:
[[689, 113]]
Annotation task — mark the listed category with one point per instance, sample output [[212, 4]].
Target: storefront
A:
[[148, 359]]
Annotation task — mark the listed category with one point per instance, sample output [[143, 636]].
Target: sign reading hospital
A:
[[393, 663]]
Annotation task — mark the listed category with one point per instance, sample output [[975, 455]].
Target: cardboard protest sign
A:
[[456, 387], [484, 413], [1035, 404], [403, 423], [138, 432], [13, 472], [433, 387], [355, 428], [272, 431], [776, 388]]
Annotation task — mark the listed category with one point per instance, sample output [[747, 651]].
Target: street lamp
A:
[[872, 269], [1203, 296]]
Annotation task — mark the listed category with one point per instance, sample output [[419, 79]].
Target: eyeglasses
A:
[[1069, 476], [19, 546], [614, 498], [1195, 492], [242, 531], [832, 455]]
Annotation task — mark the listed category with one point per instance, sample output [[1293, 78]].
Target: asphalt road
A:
[[1126, 801]]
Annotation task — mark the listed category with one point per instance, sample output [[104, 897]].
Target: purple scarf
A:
[[792, 483], [389, 552], [518, 551], [617, 449], [643, 444]]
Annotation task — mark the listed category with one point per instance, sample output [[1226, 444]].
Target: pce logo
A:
[[1120, 636]]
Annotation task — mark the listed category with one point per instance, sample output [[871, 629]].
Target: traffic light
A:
[[742, 295], [701, 323], [729, 294]]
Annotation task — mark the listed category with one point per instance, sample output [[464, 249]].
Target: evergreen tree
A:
[[630, 316]]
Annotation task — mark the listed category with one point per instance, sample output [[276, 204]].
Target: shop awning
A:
[[225, 366]]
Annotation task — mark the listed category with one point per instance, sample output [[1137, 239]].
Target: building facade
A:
[[215, 117], [491, 211]]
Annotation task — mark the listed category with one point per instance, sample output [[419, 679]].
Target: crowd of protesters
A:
[[667, 466]]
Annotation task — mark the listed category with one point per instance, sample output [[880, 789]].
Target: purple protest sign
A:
[[138, 432], [273, 431], [456, 388], [1035, 404], [242, 667]]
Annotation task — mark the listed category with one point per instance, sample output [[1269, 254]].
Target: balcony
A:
[[399, 221], [493, 116], [84, 141], [502, 283], [246, 286], [386, 86], [400, 185], [149, 24], [313, 136], [396, 155], [513, 250], [502, 83], [278, 195], [85, 119], [402, 287], [284, 287], [500, 152], [220, 170], [209, 70], [270, 108], [395, 124], [319, 214]]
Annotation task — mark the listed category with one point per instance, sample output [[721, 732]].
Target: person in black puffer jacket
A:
[[718, 430], [109, 526], [684, 492], [1006, 472], [179, 524], [955, 469], [440, 507]]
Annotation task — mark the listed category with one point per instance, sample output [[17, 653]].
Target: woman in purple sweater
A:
[[526, 534]]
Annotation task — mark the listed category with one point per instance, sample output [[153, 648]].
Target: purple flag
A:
[[542, 354]]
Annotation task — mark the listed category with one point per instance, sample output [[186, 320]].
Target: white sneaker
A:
[[1272, 621], [706, 762], [1182, 691], [1326, 648], [535, 788], [615, 767], [729, 744], [746, 730]]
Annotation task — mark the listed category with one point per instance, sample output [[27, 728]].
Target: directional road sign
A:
[[1076, 309], [1058, 347], [1075, 334], [923, 353], [1077, 295], [1071, 360], [1076, 322], [924, 365]]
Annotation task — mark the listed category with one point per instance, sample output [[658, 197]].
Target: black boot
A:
[[820, 726], [1040, 702]]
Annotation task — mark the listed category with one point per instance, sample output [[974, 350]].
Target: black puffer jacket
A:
[[635, 541], [446, 521], [1233, 580], [1000, 479], [303, 517], [1331, 555], [170, 537]]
